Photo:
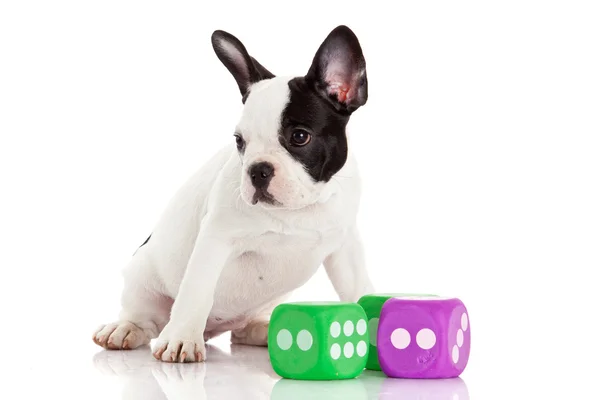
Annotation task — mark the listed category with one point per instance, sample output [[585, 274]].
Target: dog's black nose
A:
[[261, 174]]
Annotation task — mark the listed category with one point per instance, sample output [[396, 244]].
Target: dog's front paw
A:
[[173, 347], [121, 335]]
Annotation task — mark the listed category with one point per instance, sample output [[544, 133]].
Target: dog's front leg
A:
[[347, 270], [182, 339]]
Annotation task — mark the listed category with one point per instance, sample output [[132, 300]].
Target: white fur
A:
[[227, 263]]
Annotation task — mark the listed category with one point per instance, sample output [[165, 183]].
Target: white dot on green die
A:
[[304, 340], [348, 328], [335, 329], [284, 339], [373, 326], [336, 351], [348, 350], [361, 348], [361, 327]]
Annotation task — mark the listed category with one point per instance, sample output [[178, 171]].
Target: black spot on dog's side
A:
[[146, 241], [142, 245]]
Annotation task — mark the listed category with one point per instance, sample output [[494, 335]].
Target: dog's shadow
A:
[[244, 373]]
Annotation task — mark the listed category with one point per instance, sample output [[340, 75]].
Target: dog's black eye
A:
[[300, 137], [239, 141]]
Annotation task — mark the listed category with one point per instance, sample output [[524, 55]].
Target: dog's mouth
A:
[[263, 196]]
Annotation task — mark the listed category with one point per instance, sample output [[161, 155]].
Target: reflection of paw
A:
[[181, 381], [255, 333], [179, 348], [177, 373], [123, 363], [120, 336]]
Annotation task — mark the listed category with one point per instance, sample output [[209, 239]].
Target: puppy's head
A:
[[292, 134]]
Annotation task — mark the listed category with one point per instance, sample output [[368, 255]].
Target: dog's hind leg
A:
[[253, 334], [256, 332], [144, 310]]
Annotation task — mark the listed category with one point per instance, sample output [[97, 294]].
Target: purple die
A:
[[423, 337]]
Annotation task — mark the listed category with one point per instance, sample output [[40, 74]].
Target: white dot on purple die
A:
[[455, 354], [400, 338], [426, 339], [464, 322], [335, 329], [460, 338]]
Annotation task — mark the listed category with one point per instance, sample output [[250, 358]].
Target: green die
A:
[[318, 341], [372, 304]]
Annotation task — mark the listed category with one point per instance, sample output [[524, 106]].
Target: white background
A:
[[479, 149]]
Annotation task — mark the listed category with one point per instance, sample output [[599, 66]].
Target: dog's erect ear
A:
[[338, 71], [232, 53]]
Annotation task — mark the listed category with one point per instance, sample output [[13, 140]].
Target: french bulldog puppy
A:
[[259, 218]]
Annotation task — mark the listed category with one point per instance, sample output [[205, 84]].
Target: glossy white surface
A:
[[77, 369], [243, 372]]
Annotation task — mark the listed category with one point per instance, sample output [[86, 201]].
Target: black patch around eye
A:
[[327, 151]]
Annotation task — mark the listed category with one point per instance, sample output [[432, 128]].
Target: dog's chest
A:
[[272, 264], [276, 242], [287, 255]]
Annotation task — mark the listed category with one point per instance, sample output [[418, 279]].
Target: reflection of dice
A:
[[431, 389], [372, 304], [423, 337], [349, 389], [318, 341]]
